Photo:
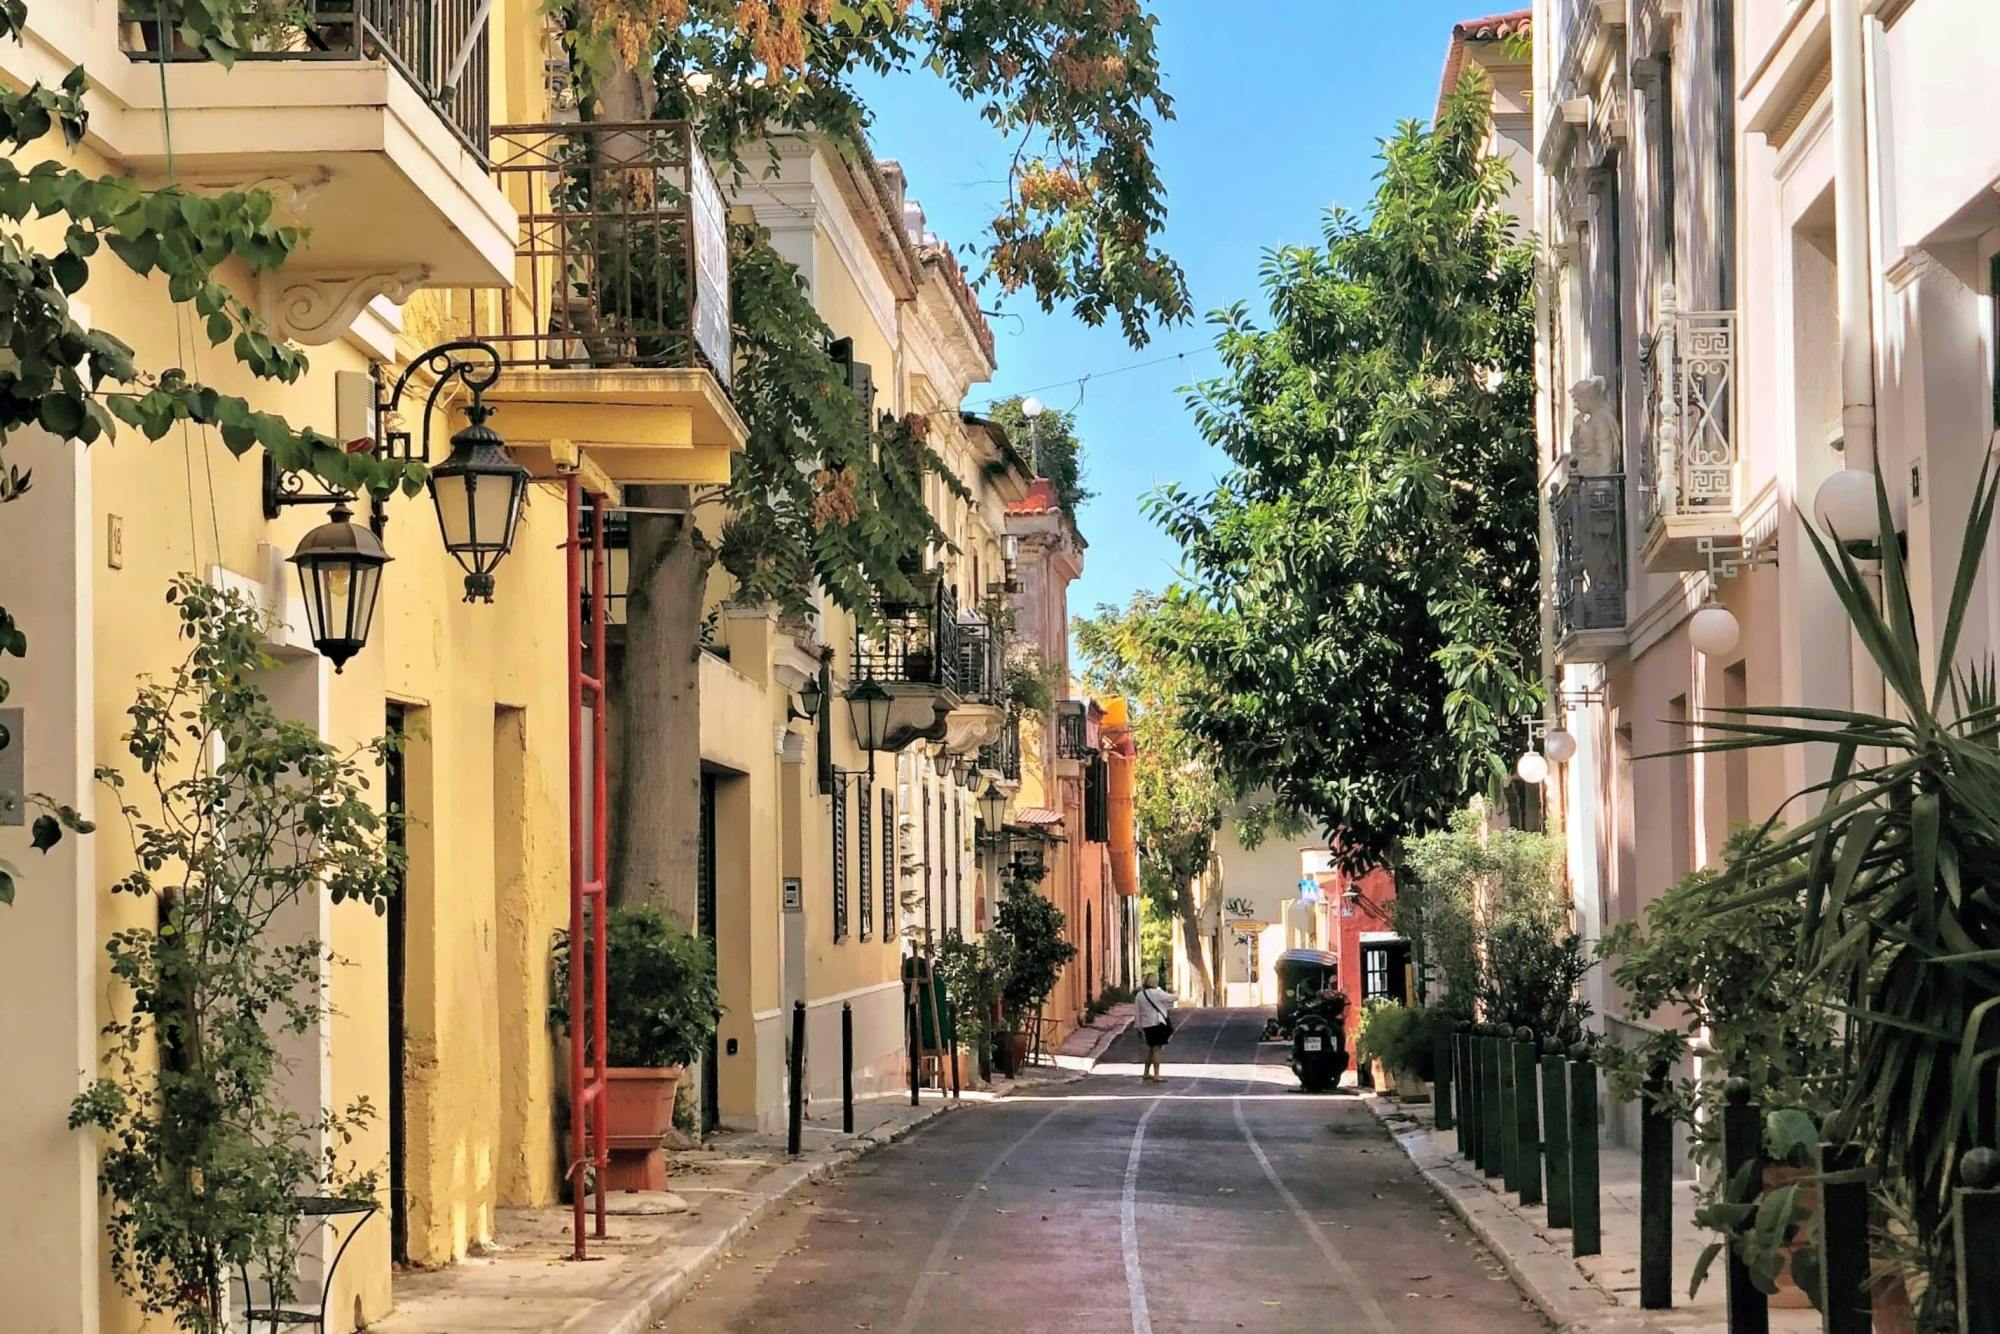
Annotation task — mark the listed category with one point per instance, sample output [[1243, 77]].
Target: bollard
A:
[[796, 1126], [1510, 1116], [1492, 1106], [1527, 1121], [1586, 1231], [916, 1040], [1555, 1129], [1975, 1219], [1656, 1196], [1748, 1310], [1441, 1083], [1843, 1267], [847, 1067], [1469, 1115]]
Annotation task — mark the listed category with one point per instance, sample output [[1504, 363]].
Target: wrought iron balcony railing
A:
[[624, 250], [913, 643], [1690, 461], [1004, 756], [441, 46], [982, 673], [1072, 729], [1589, 575]]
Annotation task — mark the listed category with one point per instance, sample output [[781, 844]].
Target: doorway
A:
[[711, 1069], [396, 801], [1089, 959]]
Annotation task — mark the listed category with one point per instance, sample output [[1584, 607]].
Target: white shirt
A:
[[1155, 1005]]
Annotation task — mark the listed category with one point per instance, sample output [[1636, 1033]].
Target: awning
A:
[[1037, 816]]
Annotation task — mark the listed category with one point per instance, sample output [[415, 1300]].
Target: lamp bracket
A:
[[1726, 560], [284, 487], [1577, 697]]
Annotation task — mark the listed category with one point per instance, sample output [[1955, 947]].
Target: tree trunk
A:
[[656, 825], [1190, 915]]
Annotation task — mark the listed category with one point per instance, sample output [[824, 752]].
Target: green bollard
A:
[[1555, 1129], [1510, 1096], [1462, 1087], [1586, 1232], [1441, 1083], [1527, 1117], [1491, 1110], [1975, 1214]]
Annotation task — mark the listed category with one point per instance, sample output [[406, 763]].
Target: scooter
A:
[[1319, 1042]]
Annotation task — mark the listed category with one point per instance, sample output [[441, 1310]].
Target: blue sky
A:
[[1279, 108]]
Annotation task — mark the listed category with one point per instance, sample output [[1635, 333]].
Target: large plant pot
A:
[[1017, 1052], [1790, 1296], [1382, 1078], [638, 1113]]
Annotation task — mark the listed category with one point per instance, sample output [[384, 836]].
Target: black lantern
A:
[[340, 573], [941, 762], [478, 493], [993, 807], [870, 705], [811, 696]]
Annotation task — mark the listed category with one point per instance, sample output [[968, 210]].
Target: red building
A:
[[1360, 928]]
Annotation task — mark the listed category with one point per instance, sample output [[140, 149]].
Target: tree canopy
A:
[[1058, 453], [1362, 583]]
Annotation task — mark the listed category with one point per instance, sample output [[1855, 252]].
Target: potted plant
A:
[[1030, 929], [660, 1012]]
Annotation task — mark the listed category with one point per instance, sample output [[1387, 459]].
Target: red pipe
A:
[[599, 579], [578, 1098]]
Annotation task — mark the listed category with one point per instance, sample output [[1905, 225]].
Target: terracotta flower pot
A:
[[638, 1113], [1790, 1296]]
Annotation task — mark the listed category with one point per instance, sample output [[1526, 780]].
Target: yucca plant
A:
[[1899, 871]]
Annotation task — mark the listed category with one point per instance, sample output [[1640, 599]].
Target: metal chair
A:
[[317, 1212]]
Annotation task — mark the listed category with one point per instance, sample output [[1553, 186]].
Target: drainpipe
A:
[[1854, 289]]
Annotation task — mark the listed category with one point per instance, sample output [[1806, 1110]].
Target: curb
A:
[[648, 1299], [1544, 1272]]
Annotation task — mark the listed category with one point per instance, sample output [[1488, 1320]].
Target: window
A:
[[839, 860], [865, 841], [957, 864], [888, 864]]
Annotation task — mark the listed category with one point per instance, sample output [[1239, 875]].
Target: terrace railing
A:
[[1589, 575], [913, 643]]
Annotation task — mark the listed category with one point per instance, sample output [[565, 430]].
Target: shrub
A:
[[1032, 928], [1402, 1037], [659, 985]]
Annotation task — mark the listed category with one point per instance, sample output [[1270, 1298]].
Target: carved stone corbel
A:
[[316, 308]]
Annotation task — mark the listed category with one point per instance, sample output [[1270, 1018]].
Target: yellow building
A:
[[422, 227]]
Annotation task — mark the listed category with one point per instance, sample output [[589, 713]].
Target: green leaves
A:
[[1361, 587]]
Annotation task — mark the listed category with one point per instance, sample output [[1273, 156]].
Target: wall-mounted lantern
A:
[[340, 576]]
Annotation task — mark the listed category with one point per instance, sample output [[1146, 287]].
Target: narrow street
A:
[[1221, 1200]]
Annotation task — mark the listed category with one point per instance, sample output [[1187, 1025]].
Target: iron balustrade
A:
[[1004, 756], [1690, 461], [913, 643], [1589, 514], [623, 259], [982, 663], [1072, 730], [443, 47]]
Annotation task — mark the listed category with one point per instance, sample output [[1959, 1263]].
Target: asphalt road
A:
[[1224, 1199]]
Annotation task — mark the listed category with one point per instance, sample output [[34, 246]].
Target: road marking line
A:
[[934, 1264], [1377, 1318]]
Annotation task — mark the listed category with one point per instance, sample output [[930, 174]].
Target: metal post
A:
[[797, 1124], [1461, 1068], [847, 1067], [1492, 1107], [1743, 1152], [1843, 1247], [1508, 1128], [1586, 1233], [1441, 1083], [1527, 1117], [1555, 1129], [1975, 1219], [1656, 1195], [916, 1038]]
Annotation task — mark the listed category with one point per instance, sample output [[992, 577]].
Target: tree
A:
[[1362, 582], [1182, 790], [81, 382], [1077, 84], [1058, 453]]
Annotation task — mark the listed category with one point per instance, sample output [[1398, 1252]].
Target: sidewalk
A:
[[524, 1283], [1599, 1292], [1086, 1045]]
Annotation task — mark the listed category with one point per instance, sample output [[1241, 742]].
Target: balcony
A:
[[1589, 577], [1688, 484], [363, 112], [980, 714], [913, 652], [616, 338], [1072, 730], [1003, 756]]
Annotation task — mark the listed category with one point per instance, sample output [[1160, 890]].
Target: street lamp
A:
[[1714, 630], [1531, 768], [870, 705], [811, 696], [941, 762], [1844, 505], [1032, 408], [478, 493], [1559, 745], [993, 807], [340, 574]]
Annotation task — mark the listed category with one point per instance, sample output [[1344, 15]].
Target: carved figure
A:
[[1596, 445]]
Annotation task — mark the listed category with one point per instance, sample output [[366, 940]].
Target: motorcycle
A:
[[1319, 1041]]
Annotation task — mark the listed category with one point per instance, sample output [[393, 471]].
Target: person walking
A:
[[1155, 1007]]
